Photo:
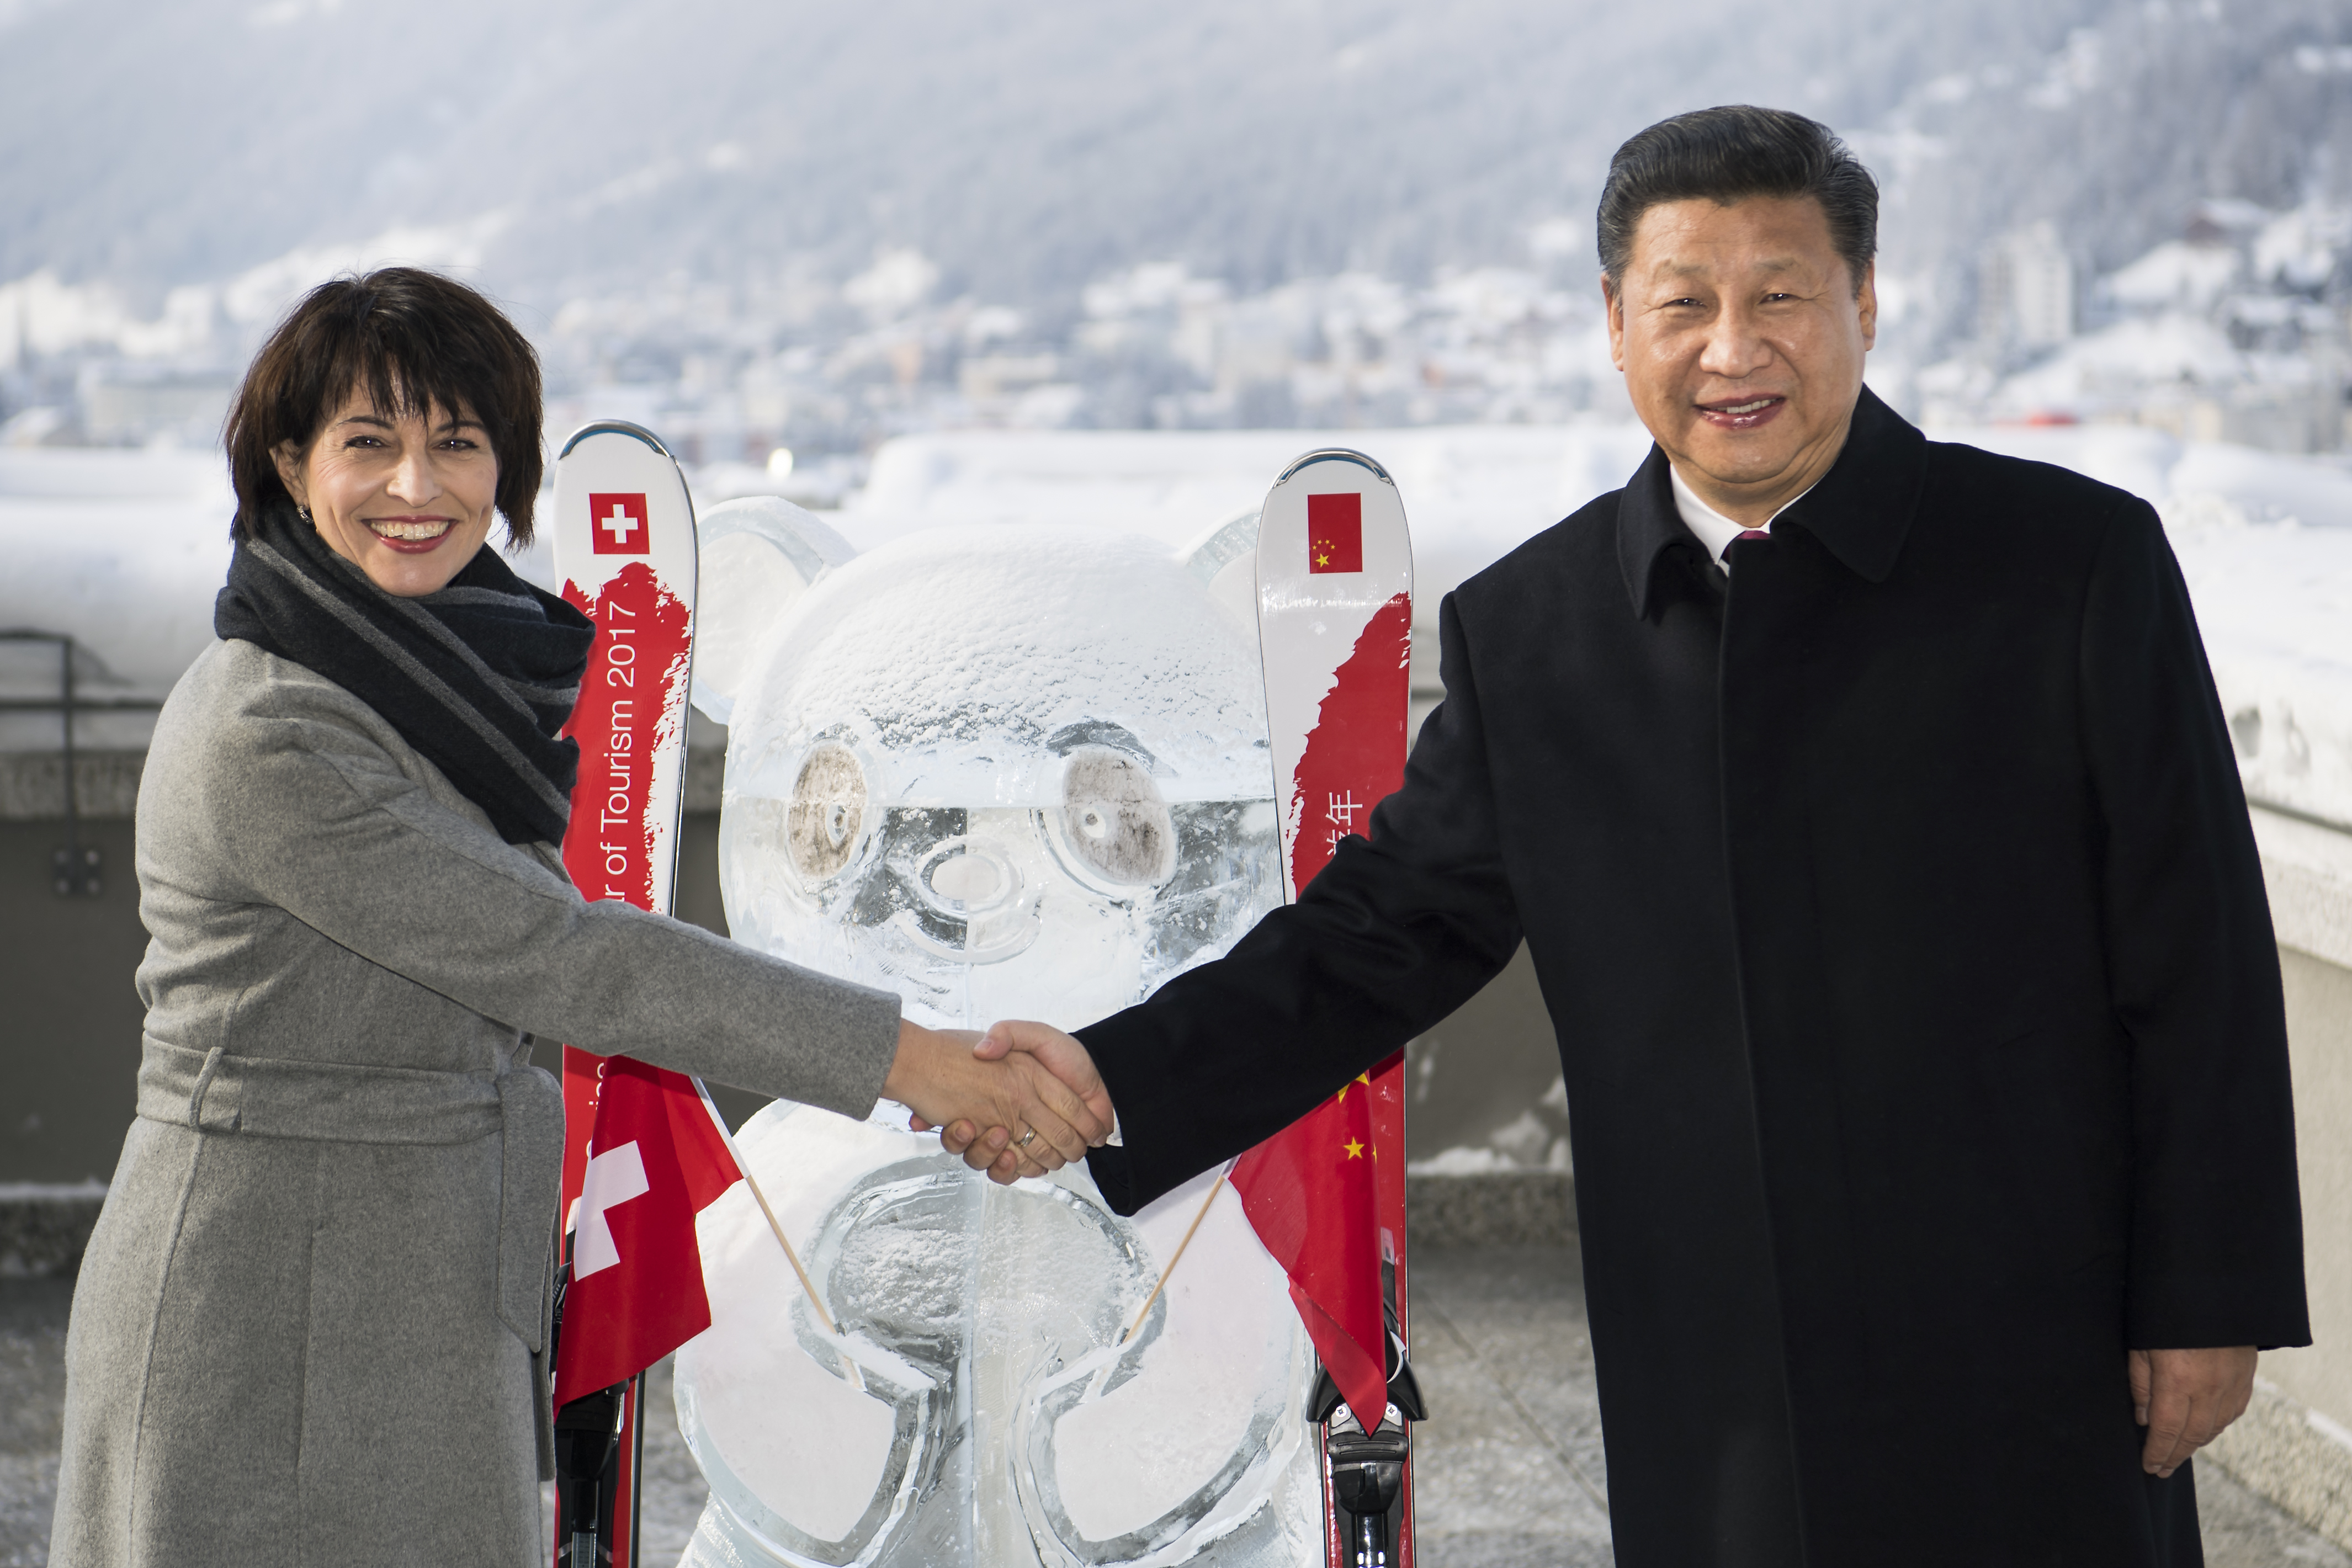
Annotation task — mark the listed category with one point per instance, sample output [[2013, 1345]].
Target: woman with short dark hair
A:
[[312, 1323]]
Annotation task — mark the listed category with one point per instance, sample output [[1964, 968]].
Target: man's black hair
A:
[[1737, 151]]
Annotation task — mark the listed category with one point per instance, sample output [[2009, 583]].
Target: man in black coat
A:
[[1891, 887]]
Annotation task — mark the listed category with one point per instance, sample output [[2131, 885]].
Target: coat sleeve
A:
[[1394, 934], [314, 817], [2216, 1227]]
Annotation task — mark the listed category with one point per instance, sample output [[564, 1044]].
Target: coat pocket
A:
[[2051, 1133], [530, 1102]]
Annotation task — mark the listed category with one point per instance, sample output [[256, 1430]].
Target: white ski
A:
[[626, 550], [1335, 621]]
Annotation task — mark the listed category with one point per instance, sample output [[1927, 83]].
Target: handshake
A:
[[1020, 1101]]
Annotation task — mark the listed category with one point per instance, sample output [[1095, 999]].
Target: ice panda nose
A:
[[963, 877], [967, 880]]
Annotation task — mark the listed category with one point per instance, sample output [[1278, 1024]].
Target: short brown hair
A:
[[1733, 152], [416, 342]]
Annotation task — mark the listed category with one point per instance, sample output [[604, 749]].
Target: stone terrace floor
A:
[[1510, 1470]]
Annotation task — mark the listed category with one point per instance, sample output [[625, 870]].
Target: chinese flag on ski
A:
[[1335, 533], [1313, 1191], [656, 1157]]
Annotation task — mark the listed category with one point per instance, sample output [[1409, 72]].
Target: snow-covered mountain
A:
[[816, 225], [2116, 137], [1032, 145]]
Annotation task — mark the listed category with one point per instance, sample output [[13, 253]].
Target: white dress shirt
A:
[[1714, 530]]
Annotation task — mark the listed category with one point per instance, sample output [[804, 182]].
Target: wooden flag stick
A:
[[775, 1226], [1161, 1283], [790, 1256]]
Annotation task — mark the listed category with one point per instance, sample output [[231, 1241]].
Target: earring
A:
[[304, 513]]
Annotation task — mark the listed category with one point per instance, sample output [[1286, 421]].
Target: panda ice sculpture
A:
[[1002, 772]]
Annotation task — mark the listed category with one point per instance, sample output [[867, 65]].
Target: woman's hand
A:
[[956, 1079], [1062, 1057]]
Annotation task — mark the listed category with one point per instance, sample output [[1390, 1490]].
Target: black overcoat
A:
[[1896, 908]]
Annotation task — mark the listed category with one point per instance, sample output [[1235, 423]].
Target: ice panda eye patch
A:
[[828, 817], [1114, 820]]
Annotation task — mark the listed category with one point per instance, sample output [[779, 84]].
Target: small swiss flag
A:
[[1335, 533], [657, 1155], [617, 522]]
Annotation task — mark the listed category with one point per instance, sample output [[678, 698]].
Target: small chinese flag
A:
[[1335, 532], [1312, 1193]]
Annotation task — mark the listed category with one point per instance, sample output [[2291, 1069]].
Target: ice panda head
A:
[[998, 771]]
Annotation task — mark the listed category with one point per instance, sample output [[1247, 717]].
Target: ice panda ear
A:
[[759, 556], [1225, 560]]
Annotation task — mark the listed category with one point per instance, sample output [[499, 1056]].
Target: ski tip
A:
[[612, 427], [1330, 455]]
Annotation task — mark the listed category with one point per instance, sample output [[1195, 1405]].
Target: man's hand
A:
[[1047, 1051], [1036, 1121], [2184, 1399]]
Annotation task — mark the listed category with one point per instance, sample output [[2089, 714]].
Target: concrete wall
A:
[[69, 1017], [2294, 1445], [2319, 999]]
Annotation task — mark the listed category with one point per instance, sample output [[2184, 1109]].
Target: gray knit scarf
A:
[[478, 677]]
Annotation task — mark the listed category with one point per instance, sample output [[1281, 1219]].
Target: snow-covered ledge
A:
[[2294, 1443], [2308, 869], [44, 1226]]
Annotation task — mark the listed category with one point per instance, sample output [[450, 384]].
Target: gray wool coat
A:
[[311, 1325]]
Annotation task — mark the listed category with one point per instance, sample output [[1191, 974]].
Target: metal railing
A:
[[2280, 808], [76, 866]]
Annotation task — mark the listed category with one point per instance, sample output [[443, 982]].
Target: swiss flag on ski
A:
[[658, 1156], [1334, 584]]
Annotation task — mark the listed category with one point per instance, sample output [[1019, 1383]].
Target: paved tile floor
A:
[[1510, 1470], [32, 1389]]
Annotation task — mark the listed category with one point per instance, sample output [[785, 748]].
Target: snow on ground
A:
[[124, 550]]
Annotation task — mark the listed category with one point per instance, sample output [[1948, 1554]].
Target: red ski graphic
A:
[[626, 715], [1355, 754]]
